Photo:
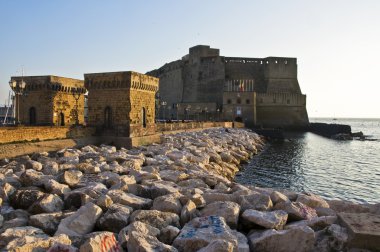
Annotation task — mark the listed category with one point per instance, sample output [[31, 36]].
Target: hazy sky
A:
[[337, 43]]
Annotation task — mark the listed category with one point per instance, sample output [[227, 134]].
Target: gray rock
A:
[[53, 186], [156, 218], [129, 199], [296, 210], [18, 232], [256, 201], [218, 245], [168, 234], [275, 219], [226, 209], [201, 231], [99, 241], [278, 197], [168, 203], [82, 222], [31, 164], [47, 222], [139, 242], [71, 177], [188, 212], [312, 200], [25, 197], [299, 239], [116, 218], [49, 203]]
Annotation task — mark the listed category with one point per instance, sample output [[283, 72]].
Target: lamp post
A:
[[76, 93], [18, 88], [176, 108], [188, 107], [205, 110], [163, 104], [217, 115], [198, 112]]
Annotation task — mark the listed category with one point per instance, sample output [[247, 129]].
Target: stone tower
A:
[[121, 104], [50, 100]]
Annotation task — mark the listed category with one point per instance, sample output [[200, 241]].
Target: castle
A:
[[257, 91]]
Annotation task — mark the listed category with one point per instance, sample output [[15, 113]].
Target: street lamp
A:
[[76, 93], [188, 107], [205, 110], [163, 104], [177, 106], [217, 115], [18, 88]]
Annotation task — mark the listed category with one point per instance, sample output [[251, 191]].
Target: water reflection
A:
[[334, 169]]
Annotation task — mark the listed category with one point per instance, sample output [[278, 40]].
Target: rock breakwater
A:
[[175, 196]]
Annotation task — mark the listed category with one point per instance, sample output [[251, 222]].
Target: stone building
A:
[[49, 100], [121, 104], [257, 91]]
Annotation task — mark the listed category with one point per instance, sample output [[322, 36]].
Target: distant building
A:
[[50, 100], [257, 91]]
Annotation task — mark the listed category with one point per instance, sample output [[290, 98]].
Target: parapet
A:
[[120, 80], [51, 82], [203, 51]]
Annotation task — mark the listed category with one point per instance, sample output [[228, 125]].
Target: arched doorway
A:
[[61, 119], [108, 117], [143, 111], [32, 116]]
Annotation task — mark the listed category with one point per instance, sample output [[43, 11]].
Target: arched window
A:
[[32, 116], [108, 117], [143, 111]]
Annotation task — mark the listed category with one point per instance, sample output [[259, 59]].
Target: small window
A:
[[247, 101], [238, 101], [229, 101], [288, 101]]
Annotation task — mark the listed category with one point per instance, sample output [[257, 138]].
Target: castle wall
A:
[[240, 106], [281, 110], [49, 96]]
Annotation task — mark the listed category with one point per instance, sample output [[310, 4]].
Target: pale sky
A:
[[337, 43]]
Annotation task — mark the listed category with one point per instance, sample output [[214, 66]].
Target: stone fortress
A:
[[256, 91]]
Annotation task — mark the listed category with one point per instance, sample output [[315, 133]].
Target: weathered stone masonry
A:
[[48, 100], [122, 103]]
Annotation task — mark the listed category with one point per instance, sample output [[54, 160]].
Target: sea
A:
[[333, 169]]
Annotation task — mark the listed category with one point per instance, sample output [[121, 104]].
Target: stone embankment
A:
[[173, 196]]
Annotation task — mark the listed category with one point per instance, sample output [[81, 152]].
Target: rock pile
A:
[[173, 196]]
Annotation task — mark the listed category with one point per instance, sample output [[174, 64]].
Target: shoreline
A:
[[175, 196]]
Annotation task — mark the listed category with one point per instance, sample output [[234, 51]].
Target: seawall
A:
[[176, 196]]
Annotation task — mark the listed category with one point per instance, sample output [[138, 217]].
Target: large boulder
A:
[[70, 177], [201, 231], [18, 232], [296, 210], [299, 239], [55, 187], [25, 197], [254, 200], [188, 212], [168, 203], [31, 164], [48, 222], [156, 218], [139, 242], [218, 245], [129, 199], [116, 218], [49, 203], [168, 234], [274, 219], [35, 243], [99, 241], [139, 227], [227, 209], [312, 200], [81, 222]]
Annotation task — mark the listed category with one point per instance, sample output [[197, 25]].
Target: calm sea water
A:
[[348, 170]]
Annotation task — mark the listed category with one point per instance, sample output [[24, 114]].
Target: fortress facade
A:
[[257, 91]]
